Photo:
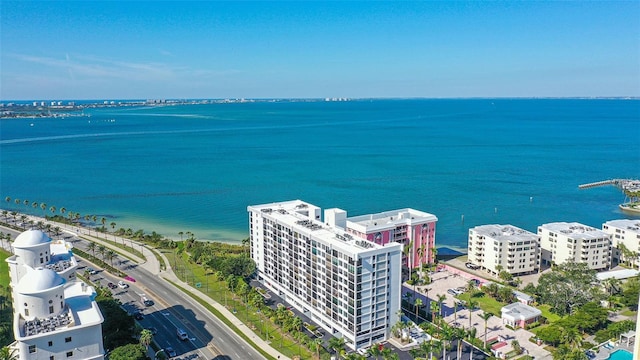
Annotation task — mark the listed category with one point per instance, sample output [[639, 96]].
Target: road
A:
[[209, 337]]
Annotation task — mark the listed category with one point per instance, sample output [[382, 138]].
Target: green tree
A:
[[146, 336], [337, 344], [7, 353], [128, 352], [102, 250], [485, 316], [417, 303], [92, 247], [110, 255], [441, 299], [568, 287]]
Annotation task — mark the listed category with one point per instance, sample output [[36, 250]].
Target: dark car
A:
[[472, 266], [138, 315], [170, 352], [112, 285]]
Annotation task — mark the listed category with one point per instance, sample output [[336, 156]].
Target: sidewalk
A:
[[152, 265]]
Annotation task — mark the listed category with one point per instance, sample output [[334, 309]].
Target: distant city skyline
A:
[[196, 50]]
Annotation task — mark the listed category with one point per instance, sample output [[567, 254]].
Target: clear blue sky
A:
[[155, 49]]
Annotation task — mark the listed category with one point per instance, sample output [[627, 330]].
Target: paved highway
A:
[[209, 337]]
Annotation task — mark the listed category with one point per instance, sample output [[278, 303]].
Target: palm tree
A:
[[434, 254], [102, 250], [572, 337], [441, 299], [110, 255], [7, 199], [52, 209], [63, 210], [472, 335], [471, 305], [485, 316], [459, 334], [374, 350], [104, 221], [336, 344], [318, 345], [434, 309], [7, 353], [43, 206], [417, 303], [113, 229], [92, 247], [146, 336], [447, 334]]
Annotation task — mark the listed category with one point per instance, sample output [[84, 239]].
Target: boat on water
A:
[[631, 207]]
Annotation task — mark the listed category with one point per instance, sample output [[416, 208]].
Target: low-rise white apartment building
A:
[[348, 286], [562, 241], [515, 250], [624, 232]]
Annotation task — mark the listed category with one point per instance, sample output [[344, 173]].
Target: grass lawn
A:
[[4, 269], [548, 314], [218, 290], [627, 312], [486, 303]]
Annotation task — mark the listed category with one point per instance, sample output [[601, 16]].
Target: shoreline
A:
[[158, 229]]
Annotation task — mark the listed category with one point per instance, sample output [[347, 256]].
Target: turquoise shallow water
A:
[[196, 167]]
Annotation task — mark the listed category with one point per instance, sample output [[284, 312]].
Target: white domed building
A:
[[55, 315]]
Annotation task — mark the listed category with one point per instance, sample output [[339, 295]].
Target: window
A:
[[50, 343], [32, 349], [67, 339], [51, 309], [69, 353], [26, 312]]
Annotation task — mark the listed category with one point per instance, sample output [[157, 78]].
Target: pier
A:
[[624, 184]]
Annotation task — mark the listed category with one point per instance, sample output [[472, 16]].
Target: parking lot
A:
[[444, 283]]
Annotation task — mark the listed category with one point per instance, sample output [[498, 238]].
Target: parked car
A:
[[363, 352], [138, 315], [112, 285], [170, 352], [92, 271], [452, 292], [122, 284], [472, 266]]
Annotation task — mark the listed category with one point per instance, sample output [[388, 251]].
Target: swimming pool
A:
[[621, 355]]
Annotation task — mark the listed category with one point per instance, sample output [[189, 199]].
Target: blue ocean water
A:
[[197, 167]]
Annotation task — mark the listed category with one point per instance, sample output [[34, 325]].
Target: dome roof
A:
[[38, 280], [31, 238]]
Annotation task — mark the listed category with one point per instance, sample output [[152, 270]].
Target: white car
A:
[[122, 284]]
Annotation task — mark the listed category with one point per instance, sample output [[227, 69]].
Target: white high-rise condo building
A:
[[55, 315], [348, 286], [504, 247], [562, 241], [625, 238]]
